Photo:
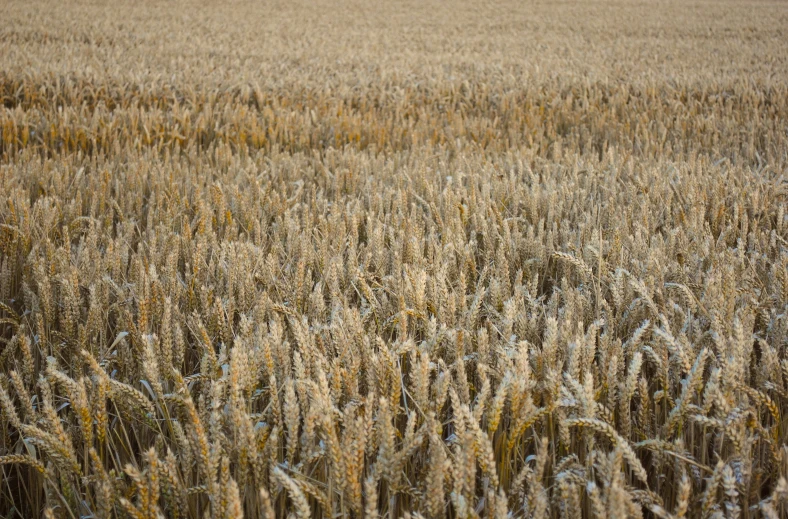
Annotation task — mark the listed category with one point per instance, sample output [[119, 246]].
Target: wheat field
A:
[[393, 259]]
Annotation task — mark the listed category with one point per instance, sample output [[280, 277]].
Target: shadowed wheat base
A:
[[426, 259]]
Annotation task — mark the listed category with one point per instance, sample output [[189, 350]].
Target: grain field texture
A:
[[424, 259]]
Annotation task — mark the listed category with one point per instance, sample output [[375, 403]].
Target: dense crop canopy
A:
[[346, 259]]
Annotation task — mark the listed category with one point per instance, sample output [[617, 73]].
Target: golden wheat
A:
[[323, 259]]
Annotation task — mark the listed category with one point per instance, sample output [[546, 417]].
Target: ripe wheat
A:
[[333, 259]]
